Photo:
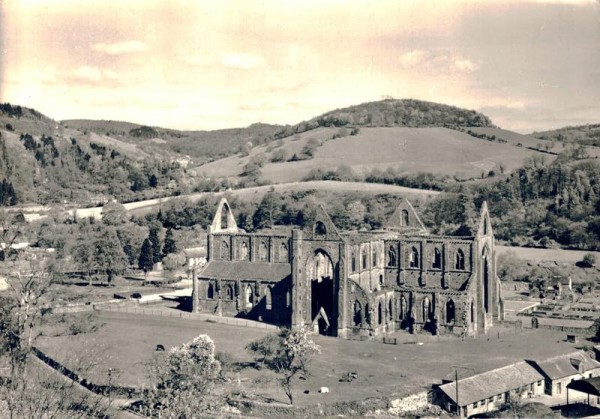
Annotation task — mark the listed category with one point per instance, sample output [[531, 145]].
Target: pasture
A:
[[546, 255], [127, 342], [440, 151]]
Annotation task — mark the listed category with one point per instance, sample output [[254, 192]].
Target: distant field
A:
[[127, 342], [409, 150], [539, 255]]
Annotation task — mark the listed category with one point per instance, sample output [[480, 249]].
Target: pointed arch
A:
[[288, 298], [353, 263], [320, 229], [472, 311], [230, 292], [390, 310], [224, 251], [262, 252], [413, 258], [248, 296], [357, 313], [426, 310], [379, 313], [374, 257], [405, 218], [363, 259], [283, 252], [392, 257], [450, 311], [486, 280], [459, 259], [268, 297], [437, 259], [243, 251], [403, 309], [210, 291]]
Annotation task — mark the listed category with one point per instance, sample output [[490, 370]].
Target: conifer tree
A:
[[146, 261], [169, 246]]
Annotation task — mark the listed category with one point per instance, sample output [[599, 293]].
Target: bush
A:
[[588, 261]]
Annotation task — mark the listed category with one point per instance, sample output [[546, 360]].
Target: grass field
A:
[[127, 342], [410, 150], [543, 255]]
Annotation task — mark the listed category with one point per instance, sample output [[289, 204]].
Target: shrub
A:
[[588, 261]]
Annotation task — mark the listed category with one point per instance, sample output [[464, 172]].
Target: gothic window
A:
[[288, 299], [380, 279], [357, 313], [268, 298], [413, 258], [450, 311], [363, 257], [230, 293], [374, 257], [249, 296], [353, 263], [262, 252], [379, 313], [403, 308], [437, 259], [390, 318], [426, 309], [472, 311], [405, 221], [460, 260], [210, 291], [320, 229], [392, 260], [283, 253], [243, 251], [224, 251]]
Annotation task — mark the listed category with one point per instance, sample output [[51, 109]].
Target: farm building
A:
[[353, 283], [559, 371]]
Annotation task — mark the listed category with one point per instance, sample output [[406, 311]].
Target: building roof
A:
[[567, 365], [223, 269], [588, 385], [490, 383]]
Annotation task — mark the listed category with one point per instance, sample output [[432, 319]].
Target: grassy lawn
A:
[[127, 342], [541, 255]]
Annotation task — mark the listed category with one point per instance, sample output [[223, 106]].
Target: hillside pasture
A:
[[409, 150], [546, 255]]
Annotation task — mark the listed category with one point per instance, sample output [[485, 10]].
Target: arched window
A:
[[485, 226], [353, 263], [405, 221], [392, 260], [413, 258], [249, 296], [224, 254], [224, 217], [403, 309], [472, 311], [379, 313], [230, 293], [380, 279], [268, 298], [426, 310], [460, 260], [262, 252], [243, 251], [363, 257], [210, 291], [450, 311], [437, 259], [390, 307], [374, 257], [357, 313], [320, 229], [283, 253]]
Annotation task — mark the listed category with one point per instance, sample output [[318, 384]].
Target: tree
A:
[[293, 350], [155, 241], [183, 379], [109, 256], [169, 246], [264, 348], [588, 261], [146, 260], [114, 214]]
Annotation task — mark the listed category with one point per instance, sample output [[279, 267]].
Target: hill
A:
[[440, 151], [582, 134]]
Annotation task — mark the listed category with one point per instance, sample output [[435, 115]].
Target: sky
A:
[[527, 64]]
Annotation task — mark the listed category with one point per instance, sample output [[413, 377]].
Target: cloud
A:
[[93, 74], [118, 48], [242, 61], [431, 62]]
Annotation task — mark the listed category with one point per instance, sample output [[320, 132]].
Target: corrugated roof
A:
[[589, 386], [566, 365], [223, 269], [490, 383]]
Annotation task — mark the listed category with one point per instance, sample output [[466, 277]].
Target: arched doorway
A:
[[450, 311], [320, 271], [357, 313]]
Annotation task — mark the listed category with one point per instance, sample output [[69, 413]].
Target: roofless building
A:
[[352, 284]]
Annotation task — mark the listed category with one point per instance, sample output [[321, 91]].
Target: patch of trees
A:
[[8, 196], [11, 110], [537, 205], [143, 132]]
